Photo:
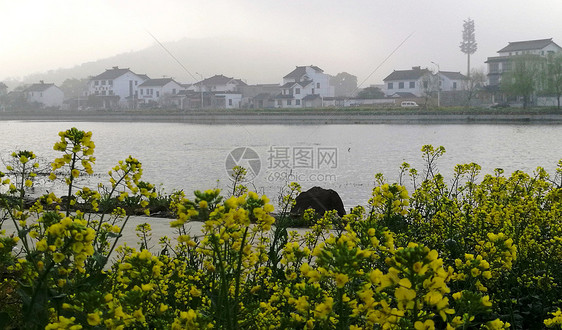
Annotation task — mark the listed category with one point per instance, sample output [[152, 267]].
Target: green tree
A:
[[552, 77], [474, 83], [523, 78], [345, 84], [370, 93], [73, 88]]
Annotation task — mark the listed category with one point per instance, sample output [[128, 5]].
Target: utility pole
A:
[[438, 85], [468, 43], [201, 87]]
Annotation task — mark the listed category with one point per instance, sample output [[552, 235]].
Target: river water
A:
[[342, 157]]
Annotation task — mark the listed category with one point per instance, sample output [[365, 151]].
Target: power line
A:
[[172, 55], [384, 61]]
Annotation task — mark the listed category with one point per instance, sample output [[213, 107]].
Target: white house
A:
[[500, 64], [48, 95], [157, 90], [415, 81], [451, 81], [227, 100], [305, 86], [218, 83], [115, 87]]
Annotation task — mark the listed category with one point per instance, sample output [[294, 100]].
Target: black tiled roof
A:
[[263, 96], [284, 96], [301, 71], [407, 74], [157, 82], [526, 45], [311, 97], [453, 75], [111, 74], [38, 87], [220, 79]]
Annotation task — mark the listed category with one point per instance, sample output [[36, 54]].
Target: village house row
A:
[[304, 87]]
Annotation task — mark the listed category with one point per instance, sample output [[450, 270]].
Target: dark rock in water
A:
[[319, 199]]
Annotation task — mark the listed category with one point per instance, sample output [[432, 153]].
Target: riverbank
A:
[[302, 116]]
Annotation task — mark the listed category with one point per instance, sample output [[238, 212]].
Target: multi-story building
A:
[[218, 83], [304, 87], [115, 88], [502, 63]]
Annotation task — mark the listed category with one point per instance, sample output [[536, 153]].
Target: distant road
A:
[[302, 116]]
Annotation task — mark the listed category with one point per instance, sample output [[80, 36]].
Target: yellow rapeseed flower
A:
[[341, 280], [58, 257], [427, 325]]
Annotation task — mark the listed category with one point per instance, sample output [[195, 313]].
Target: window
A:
[[412, 84], [173, 91], [96, 83], [157, 94], [279, 102], [506, 66], [313, 91], [297, 102], [289, 102], [425, 84], [136, 82], [142, 91], [103, 82], [317, 85], [110, 82], [297, 90], [390, 85], [111, 92], [400, 85], [455, 85], [229, 101], [41, 94], [102, 92]]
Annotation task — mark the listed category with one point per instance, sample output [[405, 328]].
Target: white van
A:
[[409, 104]]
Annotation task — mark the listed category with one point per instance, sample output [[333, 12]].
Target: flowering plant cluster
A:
[[462, 255]]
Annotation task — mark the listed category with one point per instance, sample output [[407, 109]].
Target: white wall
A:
[[158, 91], [416, 90], [51, 97], [321, 83], [119, 87]]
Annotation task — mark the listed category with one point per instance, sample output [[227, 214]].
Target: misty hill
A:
[[250, 60]]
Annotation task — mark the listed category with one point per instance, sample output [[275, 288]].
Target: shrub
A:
[[469, 254]]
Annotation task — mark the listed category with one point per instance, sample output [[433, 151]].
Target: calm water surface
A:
[[191, 157]]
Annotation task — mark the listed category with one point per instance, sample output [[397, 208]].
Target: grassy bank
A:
[[305, 116]]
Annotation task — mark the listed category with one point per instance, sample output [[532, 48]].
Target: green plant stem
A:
[[237, 273]]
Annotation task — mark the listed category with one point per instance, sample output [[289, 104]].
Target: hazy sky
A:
[[353, 35]]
